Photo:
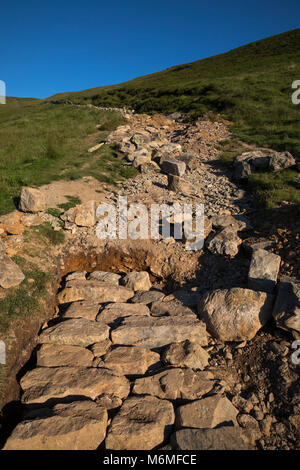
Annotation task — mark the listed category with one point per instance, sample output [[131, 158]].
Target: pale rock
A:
[[80, 425], [150, 332], [103, 276], [76, 332], [82, 309], [137, 281], [118, 310], [175, 384], [83, 215], [47, 383], [130, 360], [10, 273], [235, 314], [225, 242], [55, 355], [32, 200], [186, 354], [76, 275], [94, 291], [207, 413], [263, 271]]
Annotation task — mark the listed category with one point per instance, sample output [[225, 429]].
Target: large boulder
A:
[[281, 160], [235, 314], [287, 306], [137, 281], [80, 425], [173, 167], [150, 332], [141, 424], [10, 273], [175, 384], [32, 200], [48, 383], [263, 271]]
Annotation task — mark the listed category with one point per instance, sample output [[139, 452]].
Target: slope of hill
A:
[[250, 85]]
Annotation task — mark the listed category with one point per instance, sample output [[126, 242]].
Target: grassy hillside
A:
[[250, 85], [43, 142]]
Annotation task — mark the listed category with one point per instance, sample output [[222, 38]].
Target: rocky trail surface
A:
[[191, 352]]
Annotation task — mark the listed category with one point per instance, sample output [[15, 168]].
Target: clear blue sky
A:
[[54, 46]]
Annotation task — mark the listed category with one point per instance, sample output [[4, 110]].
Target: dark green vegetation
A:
[[250, 85], [44, 142]]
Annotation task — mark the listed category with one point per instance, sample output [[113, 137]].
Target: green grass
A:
[[43, 142], [250, 85], [55, 237], [72, 202]]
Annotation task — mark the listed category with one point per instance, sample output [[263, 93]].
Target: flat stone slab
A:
[[224, 438], [207, 413], [80, 425], [173, 384], [82, 309], [94, 291], [263, 271], [46, 383], [150, 332], [99, 349], [55, 355], [142, 297], [172, 308], [103, 276], [76, 332], [130, 360], [141, 424], [10, 273], [118, 310], [186, 354]]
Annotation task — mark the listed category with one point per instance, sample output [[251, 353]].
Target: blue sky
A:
[[56, 46]]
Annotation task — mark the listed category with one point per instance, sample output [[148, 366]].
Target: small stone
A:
[[81, 275], [178, 184], [83, 215], [286, 309], [137, 281], [173, 167], [171, 308], [186, 354], [143, 297], [225, 242]]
